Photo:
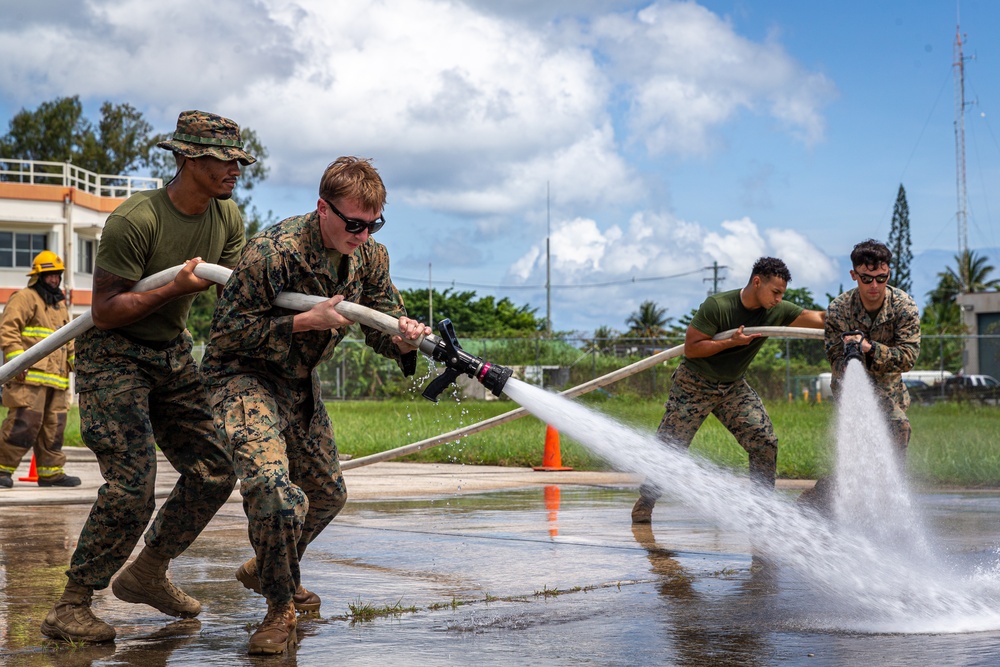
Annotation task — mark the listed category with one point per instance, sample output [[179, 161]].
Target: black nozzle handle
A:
[[458, 362], [439, 384], [852, 348]]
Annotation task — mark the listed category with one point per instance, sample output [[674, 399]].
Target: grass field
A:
[[952, 443]]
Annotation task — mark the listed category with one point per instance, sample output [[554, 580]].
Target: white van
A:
[[932, 378]]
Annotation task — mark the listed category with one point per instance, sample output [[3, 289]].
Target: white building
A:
[[981, 317], [59, 207]]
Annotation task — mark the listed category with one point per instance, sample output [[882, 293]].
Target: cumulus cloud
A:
[[660, 258], [687, 71], [807, 263], [739, 248], [470, 109], [148, 54], [744, 243], [464, 122], [580, 251], [435, 90]]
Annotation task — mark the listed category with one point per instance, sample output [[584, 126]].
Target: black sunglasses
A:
[[867, 280], [355, 226]]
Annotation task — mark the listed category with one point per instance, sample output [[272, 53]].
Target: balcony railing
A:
[[38, 172]]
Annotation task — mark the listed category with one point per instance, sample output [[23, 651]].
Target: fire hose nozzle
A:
[[852, 348], [458, 362]]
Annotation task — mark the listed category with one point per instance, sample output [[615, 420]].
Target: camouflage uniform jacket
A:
[[27, 321], [251, 336], [895, 338]]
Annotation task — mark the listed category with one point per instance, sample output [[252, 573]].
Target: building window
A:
[[18, 249], [85, 255]]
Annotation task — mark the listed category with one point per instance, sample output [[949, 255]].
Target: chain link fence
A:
[[783, 369]]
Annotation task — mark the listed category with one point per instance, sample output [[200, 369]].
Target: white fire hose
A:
[[384, 323]]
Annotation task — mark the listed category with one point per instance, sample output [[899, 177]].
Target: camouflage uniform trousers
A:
[[737, 406], [899, 431], [281, 441], [136, 398], [36, 419]]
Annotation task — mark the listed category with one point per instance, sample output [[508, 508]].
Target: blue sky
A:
[[668, 135]]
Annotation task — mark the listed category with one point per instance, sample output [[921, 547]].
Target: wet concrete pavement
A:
[[382, 480], [493, 566]]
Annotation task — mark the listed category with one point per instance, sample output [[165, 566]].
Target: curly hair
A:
[[871, 253], [771, 267]]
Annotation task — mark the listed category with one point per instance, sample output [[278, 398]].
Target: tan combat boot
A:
[[305, 601], [145, 582], [642, 511], [71, 619], [276, 632]]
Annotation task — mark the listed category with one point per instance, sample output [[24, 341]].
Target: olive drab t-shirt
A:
[[147, 234], [725, 311]]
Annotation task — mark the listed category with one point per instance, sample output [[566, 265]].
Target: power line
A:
[[610, 283]]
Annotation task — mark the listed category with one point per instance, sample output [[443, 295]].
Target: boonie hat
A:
[[201, 133]]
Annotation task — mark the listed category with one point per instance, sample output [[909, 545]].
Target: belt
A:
[[158, 345]]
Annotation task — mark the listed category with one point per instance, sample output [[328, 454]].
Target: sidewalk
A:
[[374, 482]]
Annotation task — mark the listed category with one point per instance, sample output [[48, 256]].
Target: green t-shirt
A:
[[725, 311], [147, 234]]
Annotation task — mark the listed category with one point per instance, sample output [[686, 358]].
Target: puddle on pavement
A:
[[541, 576]]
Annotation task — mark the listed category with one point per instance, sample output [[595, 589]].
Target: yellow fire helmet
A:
[[46, 261]]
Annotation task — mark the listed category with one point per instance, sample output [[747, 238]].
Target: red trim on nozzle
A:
[[484, 371]]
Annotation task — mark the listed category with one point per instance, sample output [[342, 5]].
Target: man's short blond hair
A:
[[353, 178]]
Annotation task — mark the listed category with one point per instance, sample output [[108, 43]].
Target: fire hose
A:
[[444, 348], [579, 390]]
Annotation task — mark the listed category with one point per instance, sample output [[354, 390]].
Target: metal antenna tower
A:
[[961, 215]]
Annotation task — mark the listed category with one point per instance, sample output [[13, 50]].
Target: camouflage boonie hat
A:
[[201, 133]]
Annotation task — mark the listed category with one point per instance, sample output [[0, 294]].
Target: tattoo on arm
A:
[[108, 284]]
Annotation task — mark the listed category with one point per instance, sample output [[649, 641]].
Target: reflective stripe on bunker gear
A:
[[47, 379], [37, 332]]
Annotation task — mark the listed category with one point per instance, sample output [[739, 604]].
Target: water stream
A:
[[872, 566]]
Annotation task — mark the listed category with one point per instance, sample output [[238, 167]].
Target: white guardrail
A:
[[39, 172]]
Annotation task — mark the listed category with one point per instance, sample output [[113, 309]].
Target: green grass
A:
[[955, 444], [361, 611], [952, 443]]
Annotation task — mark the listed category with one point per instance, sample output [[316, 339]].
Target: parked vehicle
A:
[[981, 388]]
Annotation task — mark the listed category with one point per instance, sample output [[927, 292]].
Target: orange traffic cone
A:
[[551, 458], [32, 473]]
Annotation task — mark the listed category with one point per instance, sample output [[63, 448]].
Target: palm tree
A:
[[604, 338], [942, 316], [970, 274], [650, 321]]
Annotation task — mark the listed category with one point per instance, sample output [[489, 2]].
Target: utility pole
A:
[[715, 279], [961, 215], [430, 294], [548, 265]]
